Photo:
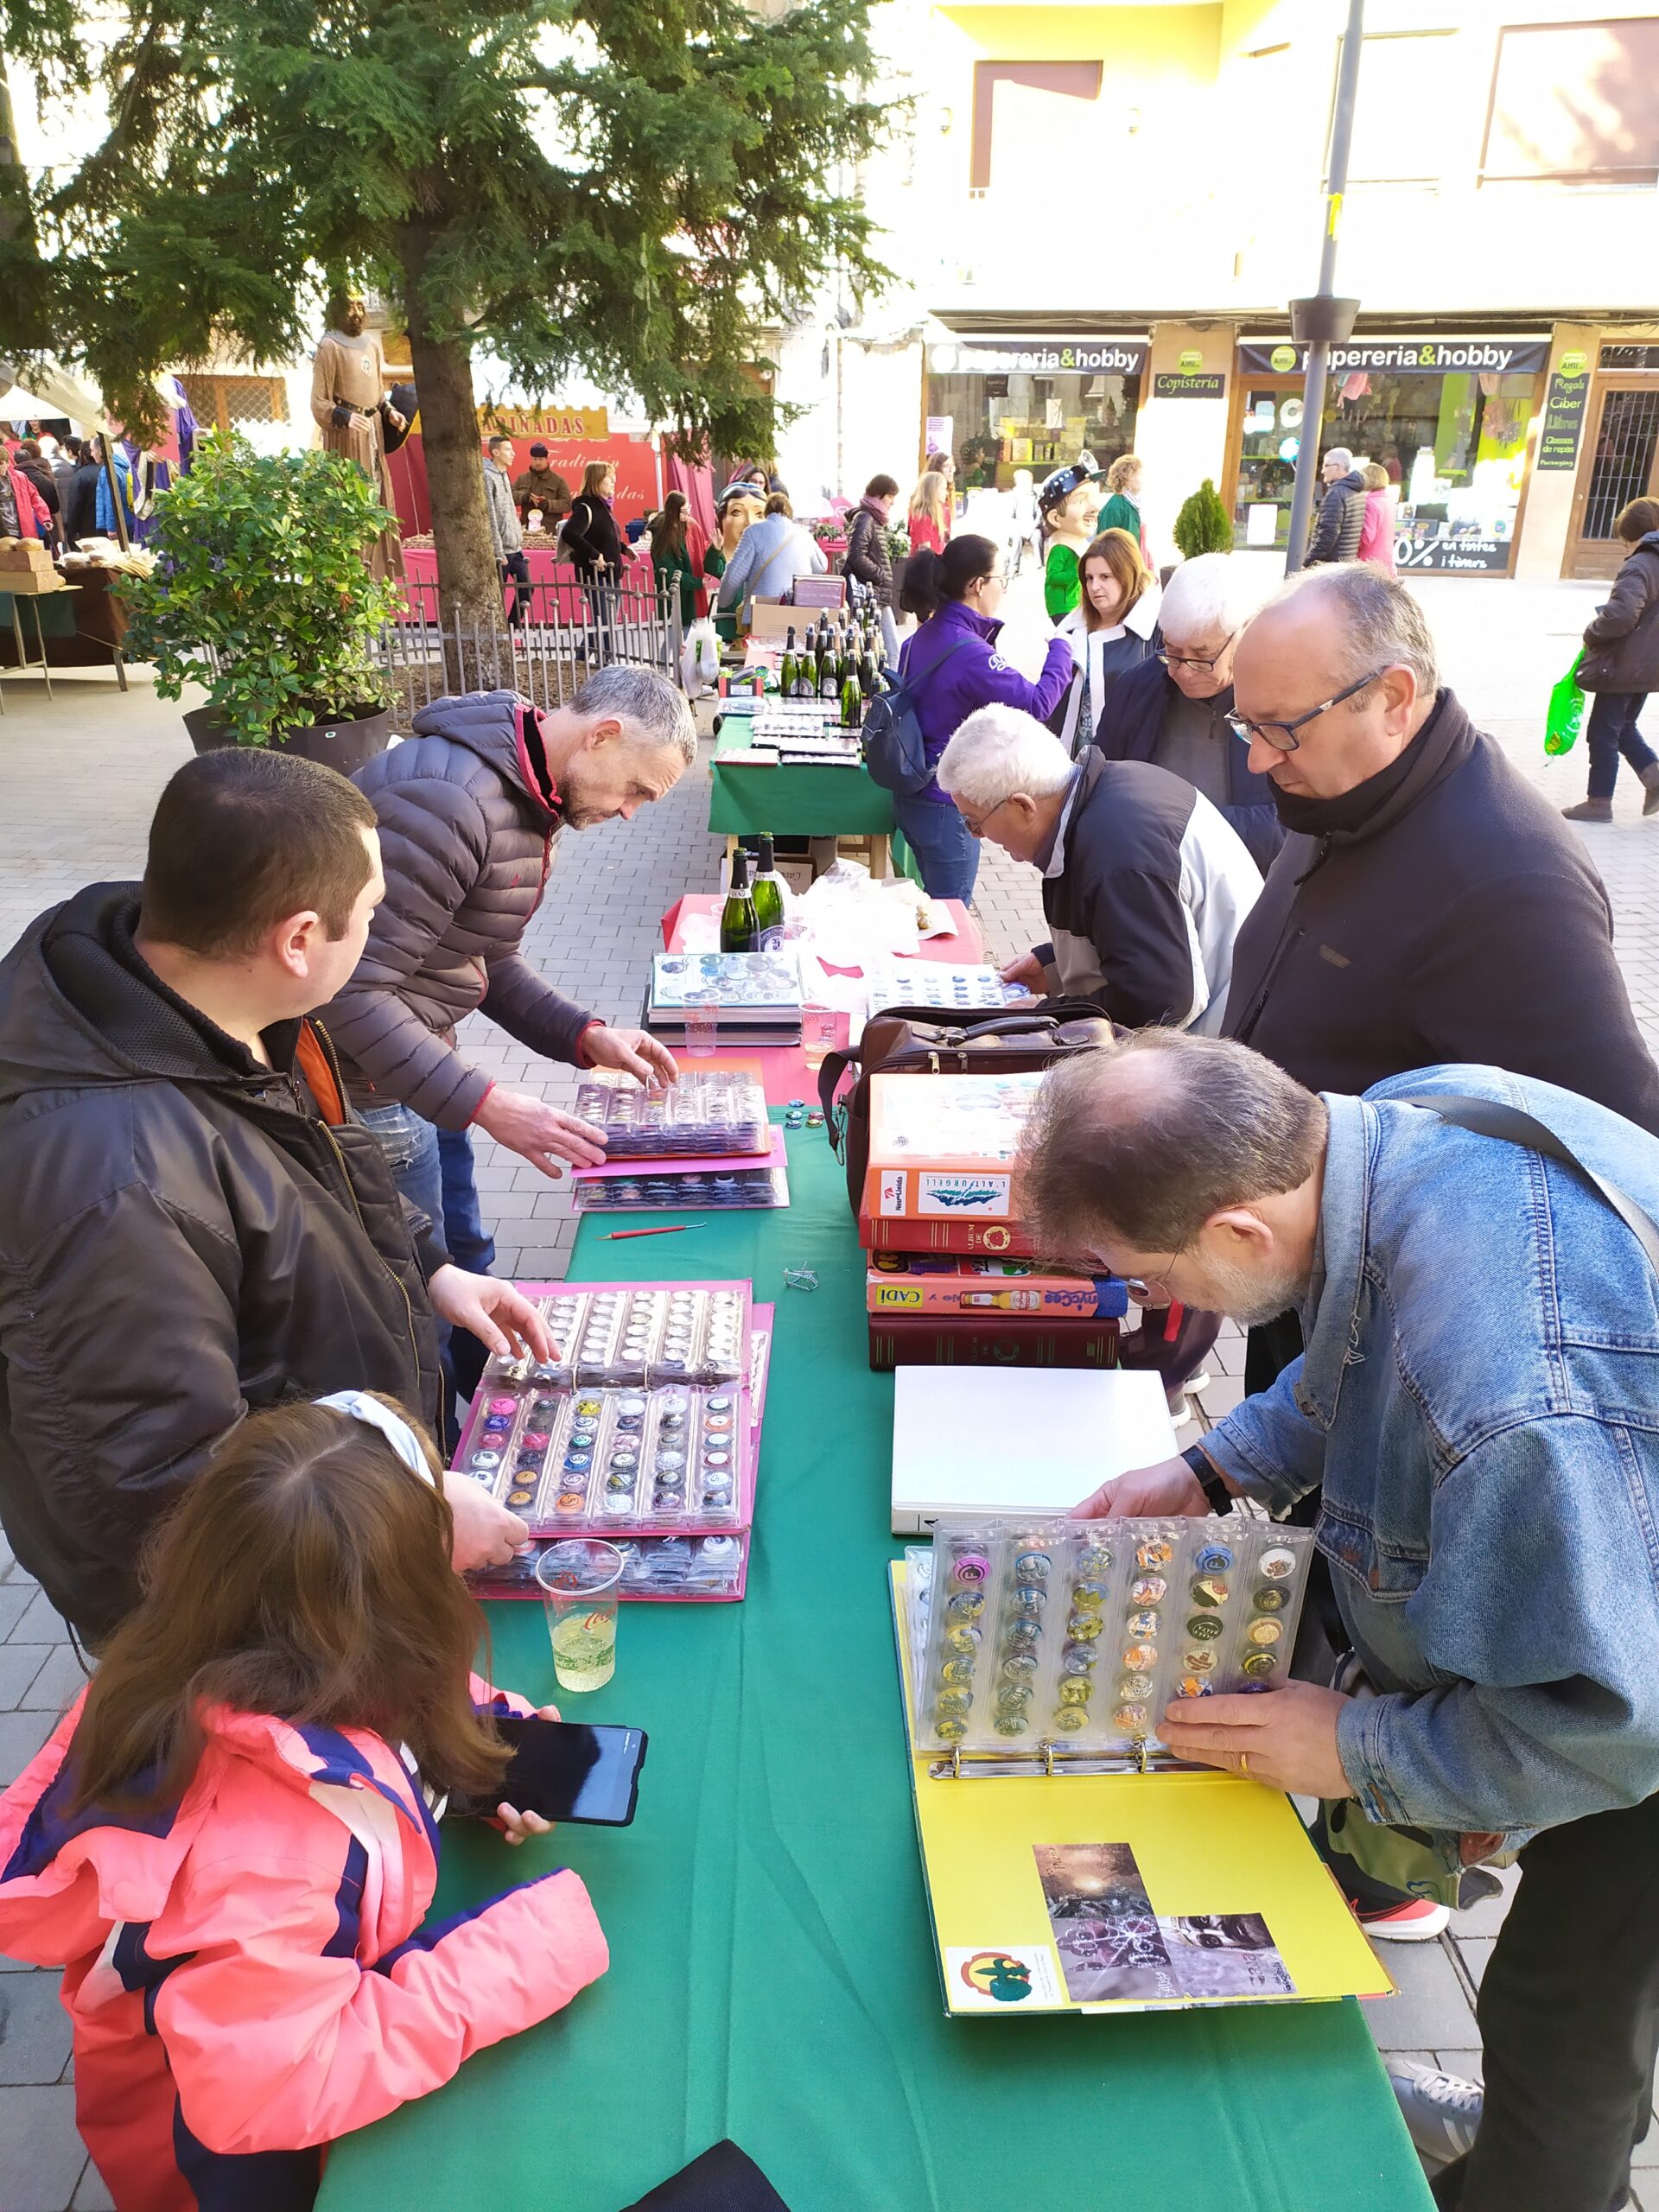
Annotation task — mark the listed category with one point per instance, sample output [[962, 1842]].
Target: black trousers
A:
[[517, 565], [1569, 2019]]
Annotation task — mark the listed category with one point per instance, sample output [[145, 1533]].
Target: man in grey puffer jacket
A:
[[469, 811]]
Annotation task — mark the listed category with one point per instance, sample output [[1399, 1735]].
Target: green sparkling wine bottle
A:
[[852, 703], [786, 668], [739, 931], [768, 900]]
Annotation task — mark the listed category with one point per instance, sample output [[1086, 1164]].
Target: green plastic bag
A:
[[1565, 717]]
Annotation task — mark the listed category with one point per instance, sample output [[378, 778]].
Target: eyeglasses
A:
[[1282, 735], [1192, 660], [977, 829], [1154, 1290]]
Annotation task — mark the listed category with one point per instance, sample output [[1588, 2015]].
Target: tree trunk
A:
[[468, 586]]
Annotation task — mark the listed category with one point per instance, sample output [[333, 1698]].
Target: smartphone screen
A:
[[566, 1771]]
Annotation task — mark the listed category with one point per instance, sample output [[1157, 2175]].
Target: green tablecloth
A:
[[793, 802], [772, 1974]]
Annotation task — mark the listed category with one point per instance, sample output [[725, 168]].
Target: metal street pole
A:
[[1318, 351]]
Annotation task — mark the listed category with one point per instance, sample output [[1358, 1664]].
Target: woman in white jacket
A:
[[1111, 629], [769, 555]]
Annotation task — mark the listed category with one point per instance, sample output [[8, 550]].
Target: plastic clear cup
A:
[[821, 1034], [579, 1578], [702, 1023]]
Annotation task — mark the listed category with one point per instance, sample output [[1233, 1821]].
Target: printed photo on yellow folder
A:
[[1116, 1892]]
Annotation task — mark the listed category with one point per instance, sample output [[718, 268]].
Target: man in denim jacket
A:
[[1479, 1403]]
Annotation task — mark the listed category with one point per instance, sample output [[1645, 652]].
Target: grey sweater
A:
[[468, 828]]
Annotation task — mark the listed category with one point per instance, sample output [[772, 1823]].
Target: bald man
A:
[[1429, 905]]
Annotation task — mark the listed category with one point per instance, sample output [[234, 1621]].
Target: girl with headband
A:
[[231, 1841]]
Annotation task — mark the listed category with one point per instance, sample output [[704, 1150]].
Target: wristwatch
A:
[[1216, 1491]]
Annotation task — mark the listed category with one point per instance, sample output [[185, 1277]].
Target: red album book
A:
[[995, 1240], [977, 1341]]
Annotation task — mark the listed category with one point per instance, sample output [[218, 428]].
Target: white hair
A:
[[1342, 457], [1212, 597], [1000, 751]]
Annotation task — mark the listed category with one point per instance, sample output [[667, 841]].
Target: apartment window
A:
[[226, 404], [1404, 110], [1577, 103], [1075, 80]]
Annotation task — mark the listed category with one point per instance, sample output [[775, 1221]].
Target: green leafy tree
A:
[[627, 188], [1203, 524]]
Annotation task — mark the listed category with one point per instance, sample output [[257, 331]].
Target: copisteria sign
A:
[[1421, 357], [1040, 357]]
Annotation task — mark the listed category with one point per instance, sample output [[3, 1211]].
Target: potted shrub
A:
[[261, 594], [1203, 524]]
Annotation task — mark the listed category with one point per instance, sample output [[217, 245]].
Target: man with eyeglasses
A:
[[1427, 908], [1173, 709]]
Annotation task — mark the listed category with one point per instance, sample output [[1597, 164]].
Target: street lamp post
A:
[[1324, 317]]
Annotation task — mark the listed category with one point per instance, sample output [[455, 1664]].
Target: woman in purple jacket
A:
[[954, 668]]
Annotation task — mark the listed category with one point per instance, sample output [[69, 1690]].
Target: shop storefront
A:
[[1000, 404], [1447, 418]]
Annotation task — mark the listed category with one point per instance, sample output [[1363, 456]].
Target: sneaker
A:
[[1418, 1920], [1650, 779], [1441, 2113], [1589, 809]]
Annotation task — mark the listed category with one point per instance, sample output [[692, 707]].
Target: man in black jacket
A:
[[193, 1225], [1144, 884], [1341, 519], [1428, 906]]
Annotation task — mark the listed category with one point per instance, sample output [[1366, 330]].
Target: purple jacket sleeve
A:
[[1005, 687]]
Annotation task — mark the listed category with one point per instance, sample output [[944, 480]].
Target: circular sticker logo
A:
[[1572, 364], [1283, 359], [1191, 362], [995, 1973]]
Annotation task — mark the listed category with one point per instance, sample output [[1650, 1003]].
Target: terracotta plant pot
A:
[[347, 744]]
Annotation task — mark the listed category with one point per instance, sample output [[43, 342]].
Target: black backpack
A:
[[895, 752]]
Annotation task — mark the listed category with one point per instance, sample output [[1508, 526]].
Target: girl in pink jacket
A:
[[231, 1843]]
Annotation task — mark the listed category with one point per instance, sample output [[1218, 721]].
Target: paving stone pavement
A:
[[78, 780]]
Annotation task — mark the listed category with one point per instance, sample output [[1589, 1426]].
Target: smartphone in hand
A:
[[565, 1771]]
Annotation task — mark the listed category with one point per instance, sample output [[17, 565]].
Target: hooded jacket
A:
[[183, 1240], [469, 824], [247, 1972], [507, 531], [1131, 726], [1441, 911], [1622, 639], [1341, 518]]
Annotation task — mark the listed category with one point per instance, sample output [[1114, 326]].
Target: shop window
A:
[[1075, 80], [996, 425], [1405, 109], [1453, 447], [1578, 103], [226, 404]]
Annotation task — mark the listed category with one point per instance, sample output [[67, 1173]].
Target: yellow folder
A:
[[1215, 1854]]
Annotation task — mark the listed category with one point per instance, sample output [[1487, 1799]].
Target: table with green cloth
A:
[[799, 801], [773, 1972]]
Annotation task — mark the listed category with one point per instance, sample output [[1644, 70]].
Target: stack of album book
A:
[[954, 1275]]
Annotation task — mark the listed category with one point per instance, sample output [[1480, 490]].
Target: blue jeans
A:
[[433, 1168], [946, 850], [1612, 731]]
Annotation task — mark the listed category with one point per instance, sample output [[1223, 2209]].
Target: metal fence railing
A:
[[567, 631]]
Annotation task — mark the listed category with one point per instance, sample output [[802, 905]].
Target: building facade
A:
[[1098, 215]]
